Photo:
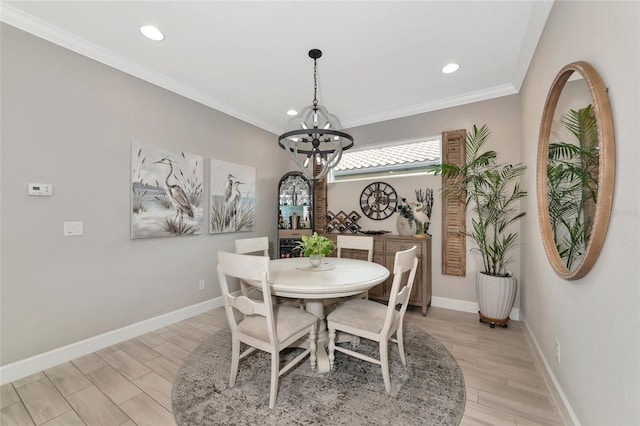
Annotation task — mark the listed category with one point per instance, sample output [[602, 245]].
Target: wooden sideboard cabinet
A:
[[384, 251]]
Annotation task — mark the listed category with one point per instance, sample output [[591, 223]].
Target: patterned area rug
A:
[[428, 391]]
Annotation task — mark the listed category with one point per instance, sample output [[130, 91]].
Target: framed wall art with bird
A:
[[166, 192], [232, 197]]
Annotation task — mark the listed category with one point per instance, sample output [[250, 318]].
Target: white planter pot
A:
[[315, 260], [404, 226], [496, 296]]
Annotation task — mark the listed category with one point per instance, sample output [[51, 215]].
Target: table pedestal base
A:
[[316, 307]]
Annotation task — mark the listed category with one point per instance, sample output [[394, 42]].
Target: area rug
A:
[[428, 391]]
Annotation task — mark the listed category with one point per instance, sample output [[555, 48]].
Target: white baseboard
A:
[[465, 306], [36, 363], [566, 411]]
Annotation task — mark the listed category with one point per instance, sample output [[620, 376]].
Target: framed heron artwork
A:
[[233, 197], [166, 192]]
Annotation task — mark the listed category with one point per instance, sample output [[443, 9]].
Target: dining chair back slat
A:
[[255, 246], [355, 243], [405, 266]]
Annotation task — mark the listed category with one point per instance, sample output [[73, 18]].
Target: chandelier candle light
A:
[[315, 136]]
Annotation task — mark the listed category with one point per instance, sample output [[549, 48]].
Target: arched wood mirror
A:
[[575, 170]]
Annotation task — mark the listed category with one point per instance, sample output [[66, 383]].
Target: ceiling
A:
[[381, 59]]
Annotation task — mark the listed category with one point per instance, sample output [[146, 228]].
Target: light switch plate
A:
[[72, 228]]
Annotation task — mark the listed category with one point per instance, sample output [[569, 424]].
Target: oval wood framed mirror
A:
[[575, 170]]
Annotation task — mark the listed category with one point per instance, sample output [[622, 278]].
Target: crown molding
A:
[[55, 35], [467, 98], [15, 17]]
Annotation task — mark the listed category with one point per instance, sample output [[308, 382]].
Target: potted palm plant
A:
[[316, 246], [491, 194]]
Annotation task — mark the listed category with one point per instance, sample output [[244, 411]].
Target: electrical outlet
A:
[[201, 285], [558, 351]]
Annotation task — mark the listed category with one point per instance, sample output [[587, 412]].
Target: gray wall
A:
[[596, 319], [69, 121], [501, 115]]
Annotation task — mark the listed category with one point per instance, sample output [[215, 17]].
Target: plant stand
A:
[[493, 321]]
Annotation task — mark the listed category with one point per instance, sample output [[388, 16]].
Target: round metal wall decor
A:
[[378, 200]]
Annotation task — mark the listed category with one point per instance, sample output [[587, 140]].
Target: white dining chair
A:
[[355, 242], [262, 325], [375, 321], [259, 246]]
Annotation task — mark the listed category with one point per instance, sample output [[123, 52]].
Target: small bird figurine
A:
[[177, 195], [423, 209], [421, 218]]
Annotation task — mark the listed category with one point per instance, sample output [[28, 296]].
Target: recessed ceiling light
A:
[[292, 112], [449, 68], [151, 32]]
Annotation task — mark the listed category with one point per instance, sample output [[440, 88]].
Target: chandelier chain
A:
[[315, 82]]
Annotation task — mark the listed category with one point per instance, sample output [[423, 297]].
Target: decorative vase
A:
[[405, 227], [315, 260], [496, 296]]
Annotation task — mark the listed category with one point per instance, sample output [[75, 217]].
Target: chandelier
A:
[[314, 137]]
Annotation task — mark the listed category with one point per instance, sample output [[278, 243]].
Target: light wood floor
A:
[[130, 383]]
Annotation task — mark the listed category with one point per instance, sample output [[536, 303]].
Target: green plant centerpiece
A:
[[315, 246], [491, 193]]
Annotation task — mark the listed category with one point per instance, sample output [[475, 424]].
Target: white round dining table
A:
[[334, 278]]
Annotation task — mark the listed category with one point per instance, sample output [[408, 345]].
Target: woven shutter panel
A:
[[319, 203], [454, 246]]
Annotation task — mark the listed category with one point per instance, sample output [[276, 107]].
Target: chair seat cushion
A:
[[360, 314], [289, 321]]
